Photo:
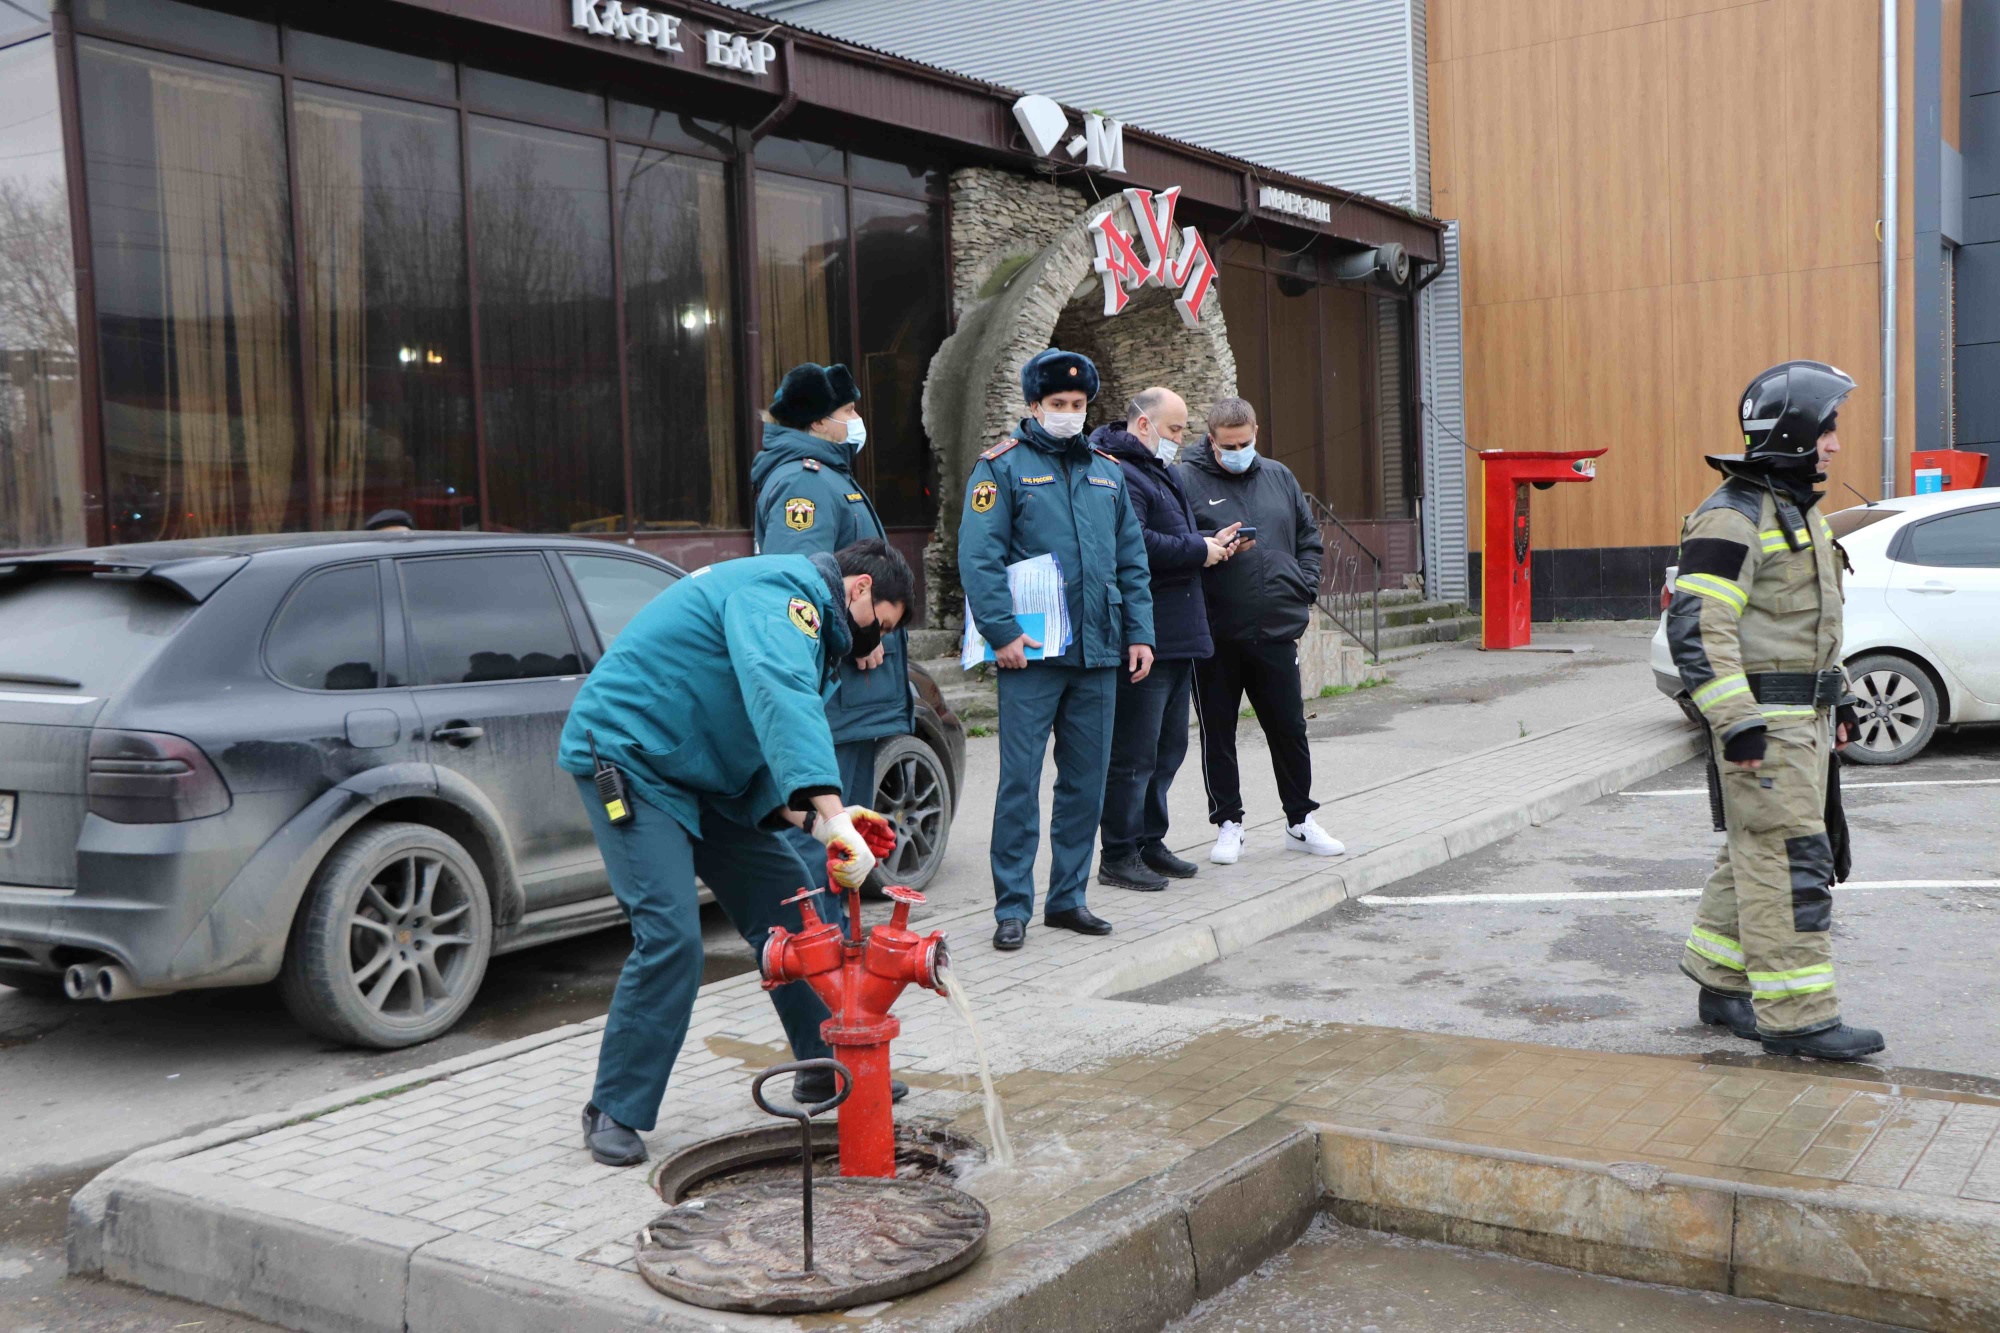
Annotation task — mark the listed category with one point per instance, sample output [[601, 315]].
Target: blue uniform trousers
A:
[[652, 864], [1078, 704], [1147, 746], [857, 787]]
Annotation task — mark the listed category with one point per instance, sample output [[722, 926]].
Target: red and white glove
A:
[[854, 840]]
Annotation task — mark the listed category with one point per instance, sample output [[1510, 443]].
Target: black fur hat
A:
[[1054, 370], [812, 392]]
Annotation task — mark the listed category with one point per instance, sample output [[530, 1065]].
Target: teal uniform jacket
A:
[[716, 692], [807, 501], [1034, 494]]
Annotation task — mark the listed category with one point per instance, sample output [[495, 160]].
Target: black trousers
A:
[[1149, 739], [1267, 671]]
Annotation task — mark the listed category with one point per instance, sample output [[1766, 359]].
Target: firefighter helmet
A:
[[1785, 410]]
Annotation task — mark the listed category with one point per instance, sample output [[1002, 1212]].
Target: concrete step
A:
[[930, 643], [1419, 612], [1449, 629]]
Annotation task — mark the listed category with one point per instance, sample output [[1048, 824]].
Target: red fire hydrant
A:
[[859, 979]]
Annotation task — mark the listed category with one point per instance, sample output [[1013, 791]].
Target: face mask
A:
[[1237, 460], [1063, 425], [1168, 450], [867, 638], [857, 433]]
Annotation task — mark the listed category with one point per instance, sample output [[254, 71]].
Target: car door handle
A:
[[459, 734], [1934, 589]]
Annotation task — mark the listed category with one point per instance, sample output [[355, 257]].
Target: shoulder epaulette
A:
[[999, 448], [809, 464], [1101, 454]]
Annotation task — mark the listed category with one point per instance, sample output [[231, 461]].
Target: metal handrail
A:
[[1350, 580]]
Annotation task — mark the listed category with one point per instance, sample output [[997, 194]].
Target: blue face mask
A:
[[1237, 460], [857, 434]]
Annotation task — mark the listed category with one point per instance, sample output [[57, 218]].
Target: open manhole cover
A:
[[739, 1244]]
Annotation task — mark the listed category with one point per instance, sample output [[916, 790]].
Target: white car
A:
[[1923, 618]]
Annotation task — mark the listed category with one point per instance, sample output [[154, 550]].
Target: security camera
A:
[[1387, 265]]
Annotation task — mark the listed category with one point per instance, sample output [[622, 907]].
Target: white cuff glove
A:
[[848, 858]]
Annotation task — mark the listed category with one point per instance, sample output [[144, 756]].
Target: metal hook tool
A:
[[804, 1115]]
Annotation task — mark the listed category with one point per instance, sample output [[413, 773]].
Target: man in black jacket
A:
[[1257, 609], [1150, 735]]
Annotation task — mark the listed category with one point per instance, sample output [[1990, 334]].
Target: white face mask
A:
[[1063, 425], [1167, 449], [857, 433]]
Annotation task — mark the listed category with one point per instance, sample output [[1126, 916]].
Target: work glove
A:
[[1837, 836], [854, 840], [1744, 746], [1846, 717]]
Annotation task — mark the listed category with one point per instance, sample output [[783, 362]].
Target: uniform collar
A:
[[836, 630]]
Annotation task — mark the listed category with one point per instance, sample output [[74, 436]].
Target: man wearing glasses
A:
[[1150, 734]]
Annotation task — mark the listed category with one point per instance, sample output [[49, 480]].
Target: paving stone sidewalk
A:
[[472, 1174]]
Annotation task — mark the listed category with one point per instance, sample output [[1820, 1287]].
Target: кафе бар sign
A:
[[534, 265]]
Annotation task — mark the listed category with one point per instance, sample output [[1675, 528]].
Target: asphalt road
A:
[[1538, 937]]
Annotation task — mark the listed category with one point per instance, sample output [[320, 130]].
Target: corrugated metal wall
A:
[[1445, 461], [1328, 89]]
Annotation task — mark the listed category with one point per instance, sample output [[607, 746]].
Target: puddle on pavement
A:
[[1338, 1279]]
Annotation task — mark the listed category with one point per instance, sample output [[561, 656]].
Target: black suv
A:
[[328, 759]]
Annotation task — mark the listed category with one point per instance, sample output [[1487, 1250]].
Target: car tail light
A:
[[147, 777], [1667, 587]]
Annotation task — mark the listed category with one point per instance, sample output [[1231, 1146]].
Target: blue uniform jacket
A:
[[717, 690], [1034, 494], [808, 501]]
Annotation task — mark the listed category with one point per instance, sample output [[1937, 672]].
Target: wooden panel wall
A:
[[1657, 199]]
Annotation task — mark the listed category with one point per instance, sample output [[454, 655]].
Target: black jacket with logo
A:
[[1265, 593]]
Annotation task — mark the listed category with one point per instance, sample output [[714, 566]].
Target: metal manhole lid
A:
[[739, 1246]]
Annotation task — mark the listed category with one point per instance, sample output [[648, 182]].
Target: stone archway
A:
[[1024, 280]]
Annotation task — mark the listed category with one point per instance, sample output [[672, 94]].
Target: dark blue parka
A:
[[1175, 552], [1033, 495], [717, 691], [807, 501]]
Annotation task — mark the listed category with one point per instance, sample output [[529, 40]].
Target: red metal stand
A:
[[860, 979], [1505, 602]]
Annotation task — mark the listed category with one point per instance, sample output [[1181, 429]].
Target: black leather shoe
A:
[[1010, 934], [1839, 1042], [818, 1085], [609, 1142], [1164, 861], [1734, 1012], [1079, 919], [1130, 872]]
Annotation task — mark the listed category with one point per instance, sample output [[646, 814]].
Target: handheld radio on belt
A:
[[610, 786]]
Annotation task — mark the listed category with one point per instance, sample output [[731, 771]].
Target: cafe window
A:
[[190, 228], [388, 368], [41, 461], [541, 219], [512, 303], [673, 231]]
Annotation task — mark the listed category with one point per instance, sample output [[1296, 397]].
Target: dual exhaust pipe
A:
[[103, 981]]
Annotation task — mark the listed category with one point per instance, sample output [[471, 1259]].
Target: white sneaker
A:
[[1308, 836], [1228, 843]]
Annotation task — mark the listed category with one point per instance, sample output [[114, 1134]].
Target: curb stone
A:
[[1857, 1250]]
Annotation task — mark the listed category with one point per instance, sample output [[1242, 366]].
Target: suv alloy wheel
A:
[[392, 941], [913, 792]]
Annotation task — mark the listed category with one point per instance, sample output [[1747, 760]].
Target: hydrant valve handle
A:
[[801, 896], [902, 893]]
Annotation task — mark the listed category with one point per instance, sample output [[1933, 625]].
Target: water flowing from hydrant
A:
[[996, 1117]]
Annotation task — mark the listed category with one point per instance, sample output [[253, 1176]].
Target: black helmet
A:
[[1785, 410]]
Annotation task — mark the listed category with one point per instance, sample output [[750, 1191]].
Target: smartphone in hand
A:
[[1245, 533]]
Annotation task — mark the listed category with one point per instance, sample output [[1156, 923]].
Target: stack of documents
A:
[[1040, 604]]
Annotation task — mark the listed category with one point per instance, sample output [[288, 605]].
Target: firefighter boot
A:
[[1839, 1042], [1734, 1012]]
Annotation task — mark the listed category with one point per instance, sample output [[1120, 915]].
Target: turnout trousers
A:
[[652, 864], [1077, 704], [1763, 927]]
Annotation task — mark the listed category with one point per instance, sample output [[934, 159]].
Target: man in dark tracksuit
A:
[[1151, 735], [807, 500], [712, 707], [1755, 629], [1044, 491], [1258, 607]]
